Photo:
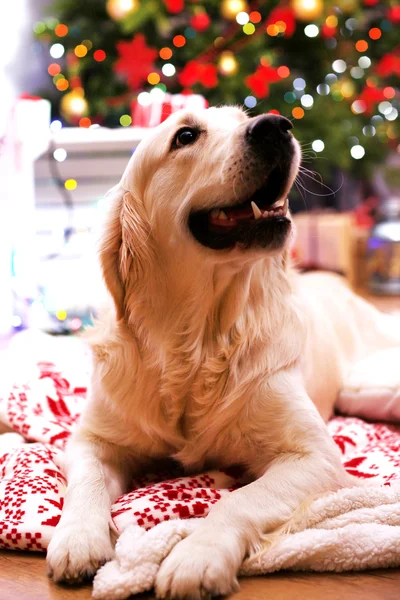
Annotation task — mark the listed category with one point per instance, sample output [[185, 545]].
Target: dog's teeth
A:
[[215, 213], [223, 215], [256, 211]]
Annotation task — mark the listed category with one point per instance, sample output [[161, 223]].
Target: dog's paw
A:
[[77, 550], [202, 565]]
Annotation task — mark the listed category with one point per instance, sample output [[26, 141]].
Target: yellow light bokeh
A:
[[227, 63], [153, 78], [230, 8], [61, 315], [249, 28], [71, 184], [80, 50], [307, 10], [331, 21], [119, 9]]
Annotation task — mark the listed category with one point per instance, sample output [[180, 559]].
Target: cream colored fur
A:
[[211, 357]]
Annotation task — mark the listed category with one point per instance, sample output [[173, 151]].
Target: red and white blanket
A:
[[42, 409]]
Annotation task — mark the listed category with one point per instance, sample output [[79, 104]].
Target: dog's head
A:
[[213, 184]]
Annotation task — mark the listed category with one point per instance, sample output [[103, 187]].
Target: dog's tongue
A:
[[244, 212]]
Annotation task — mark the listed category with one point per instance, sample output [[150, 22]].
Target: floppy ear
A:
[[124, 250]]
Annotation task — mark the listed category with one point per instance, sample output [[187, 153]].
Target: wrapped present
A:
[[158, 107]]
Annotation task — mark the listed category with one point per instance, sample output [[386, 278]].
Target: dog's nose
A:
[[269, 126]]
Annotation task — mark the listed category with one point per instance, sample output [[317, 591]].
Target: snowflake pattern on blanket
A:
[[45, 412]]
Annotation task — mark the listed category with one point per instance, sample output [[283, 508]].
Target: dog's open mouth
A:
[[259, 221]]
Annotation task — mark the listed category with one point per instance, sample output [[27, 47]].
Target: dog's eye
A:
[[185, 136]]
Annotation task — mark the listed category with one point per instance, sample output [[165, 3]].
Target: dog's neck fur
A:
[[215, 306]]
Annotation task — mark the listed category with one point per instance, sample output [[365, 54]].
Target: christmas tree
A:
[[332, 67]]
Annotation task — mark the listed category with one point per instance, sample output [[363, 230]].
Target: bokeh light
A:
[[71, 184], [357, 151], [250, 101], [125, 120], [53, 69], [99, 55], [298, 113], [153, 78], [165, 53], [168, 70], [249, 29], [80, 50], [85, 122], [60, 154], [57, 50], [311, 30], [361, 46], [318, 145], [242, 18], [61, 30], [179, 41]]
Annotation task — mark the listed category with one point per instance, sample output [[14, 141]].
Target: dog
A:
[[215, 352]]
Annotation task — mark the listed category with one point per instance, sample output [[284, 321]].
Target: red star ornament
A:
[[260, 80], [136, 60]]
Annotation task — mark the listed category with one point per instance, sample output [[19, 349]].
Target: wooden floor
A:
[[23, 577]]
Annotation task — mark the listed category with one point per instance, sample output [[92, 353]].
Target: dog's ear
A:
[[124, 252]]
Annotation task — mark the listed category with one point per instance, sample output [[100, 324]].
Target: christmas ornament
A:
[[136, 60], [227, 63], [200, 22], [196, 72], [73, 105], [260, 80], [119, 9], [284, 20], [174, 6], [307, 10], [230, 8]]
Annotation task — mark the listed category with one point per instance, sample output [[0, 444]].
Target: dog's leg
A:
[[300, 461], [81, 541]]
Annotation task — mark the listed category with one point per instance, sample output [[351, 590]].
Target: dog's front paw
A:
[[204, 564], [77, 550]]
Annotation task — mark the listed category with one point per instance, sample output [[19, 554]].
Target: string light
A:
[[242, 18], [61, 30], [339, 66], [60, 154], [250, 101], [375, 33], [53, 69], [318, 145], [168, 70], [144, 99], [307, 101], [357, 151], [357, 72], [364, 62], [230, 8], [392, 116], [299, 83], [369, 130], [389, 92], [283, 71], [55, 126], [255, 16], [39, 27], [80, 51], [385, 107], [362, 46], [85, 122], [99, 55], [70, 184], [249, 29], [165, 53], [227, 63], [179, 41], [358, 107], [153, 78], [323, 89], [125, 120], [311, 30], [57, 50], [298, 113]]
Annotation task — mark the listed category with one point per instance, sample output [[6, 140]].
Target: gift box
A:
[[156, 107]]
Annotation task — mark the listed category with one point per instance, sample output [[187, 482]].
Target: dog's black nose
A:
[[269, 126]]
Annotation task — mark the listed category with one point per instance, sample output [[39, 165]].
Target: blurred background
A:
[[82, 82]]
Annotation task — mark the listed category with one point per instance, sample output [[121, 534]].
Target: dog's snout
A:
[[269, 126]]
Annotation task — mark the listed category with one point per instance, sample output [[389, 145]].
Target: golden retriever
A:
[[216, 351]]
